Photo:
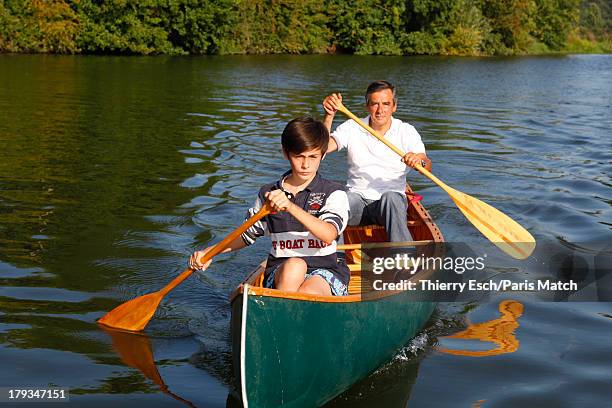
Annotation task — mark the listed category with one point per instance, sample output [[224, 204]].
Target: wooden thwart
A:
[[373, 245]]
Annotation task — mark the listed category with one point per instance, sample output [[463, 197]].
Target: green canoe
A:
[[298, 350]]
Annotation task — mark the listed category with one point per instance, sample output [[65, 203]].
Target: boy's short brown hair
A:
[[303, 134]]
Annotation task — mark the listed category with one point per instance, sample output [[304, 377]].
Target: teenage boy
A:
[[311, 213], [376, 176]]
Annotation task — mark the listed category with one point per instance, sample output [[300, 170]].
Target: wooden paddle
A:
[[134, 315], [500, 229]]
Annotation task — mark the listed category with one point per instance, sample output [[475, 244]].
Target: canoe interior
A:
[[421, 227]]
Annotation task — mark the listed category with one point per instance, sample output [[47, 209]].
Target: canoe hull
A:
[[298, 350], [302, 354]]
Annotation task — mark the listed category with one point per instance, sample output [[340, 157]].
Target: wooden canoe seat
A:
[[354, 286]]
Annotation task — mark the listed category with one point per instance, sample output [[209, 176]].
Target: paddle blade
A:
[[133, 315], [503, 231]]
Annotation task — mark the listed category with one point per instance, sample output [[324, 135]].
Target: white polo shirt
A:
[[373, 168]]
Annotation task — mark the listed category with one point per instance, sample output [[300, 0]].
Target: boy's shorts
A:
[[337, 287]]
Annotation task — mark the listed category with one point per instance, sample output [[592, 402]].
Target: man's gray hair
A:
[[377, 86]]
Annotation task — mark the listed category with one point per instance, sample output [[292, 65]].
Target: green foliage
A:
[[426, 21], [38, 26], [579, 44], [467, 30], [272, 26], [123, 27], [511, 21], [596, 18], [422, 42], [198, 27], [596, 14], [384, 27], [9, 27], [554, 20], [368, 26]]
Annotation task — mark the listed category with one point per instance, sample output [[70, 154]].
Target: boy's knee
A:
[[291, 274], [295, 263], [315, 285]]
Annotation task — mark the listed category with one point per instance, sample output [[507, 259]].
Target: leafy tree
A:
[[123, 27], [38, 26], [465, 30], [386, 27], [592, 19], [368, 26], [511, 23], [553, 21], [198, 27], [278, 26]]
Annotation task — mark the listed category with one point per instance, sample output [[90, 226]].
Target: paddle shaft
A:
[[217, 249], [393, 147]]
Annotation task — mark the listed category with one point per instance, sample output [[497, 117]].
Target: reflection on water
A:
[[500, 332], [135, 351], [389, 386]]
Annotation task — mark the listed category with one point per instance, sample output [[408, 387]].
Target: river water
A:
[[113, 170]]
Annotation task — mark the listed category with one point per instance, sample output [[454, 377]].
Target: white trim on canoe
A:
[[245, 295]]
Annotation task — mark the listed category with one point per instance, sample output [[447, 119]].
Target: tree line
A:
[[382, 27]]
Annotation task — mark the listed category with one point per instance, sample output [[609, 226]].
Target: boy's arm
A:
[[247, 238], [195, 261], [325, 231]]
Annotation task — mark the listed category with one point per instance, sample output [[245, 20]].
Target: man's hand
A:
[[195, 261], [331, 103], [278, 200], [412, 159]]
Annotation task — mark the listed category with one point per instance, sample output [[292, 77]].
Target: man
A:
[[376, 175]]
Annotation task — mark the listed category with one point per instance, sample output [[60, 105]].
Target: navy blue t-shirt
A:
[[323, 199]]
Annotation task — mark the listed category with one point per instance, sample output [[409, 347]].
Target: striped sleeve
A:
[[336, 209], [259, 229]]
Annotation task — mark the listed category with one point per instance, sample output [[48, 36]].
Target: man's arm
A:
[[328, 120], [330, 104], [332, 146]]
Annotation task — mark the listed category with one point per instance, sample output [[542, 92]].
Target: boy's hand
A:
[[278, 200], [331, 103], [195, 261]]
